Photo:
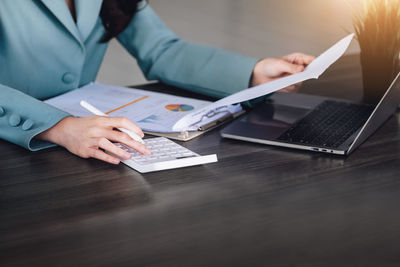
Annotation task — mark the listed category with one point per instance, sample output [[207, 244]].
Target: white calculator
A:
[[165, 154]]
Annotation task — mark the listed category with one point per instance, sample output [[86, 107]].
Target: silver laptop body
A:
[[267, 123]]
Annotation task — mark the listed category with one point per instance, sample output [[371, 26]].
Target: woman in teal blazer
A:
[[49, 47]]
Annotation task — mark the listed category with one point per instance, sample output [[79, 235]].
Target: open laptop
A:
[[314, 123]]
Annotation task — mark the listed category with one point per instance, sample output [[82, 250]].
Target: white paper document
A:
[[313, 71], [163, 113], [152, 112]]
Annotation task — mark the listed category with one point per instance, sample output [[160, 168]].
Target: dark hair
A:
[[116, 16]]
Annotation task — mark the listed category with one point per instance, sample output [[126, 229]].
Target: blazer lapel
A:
[[87, 12], [60, 10]]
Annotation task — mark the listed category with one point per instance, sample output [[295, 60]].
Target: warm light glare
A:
[[377, 26]]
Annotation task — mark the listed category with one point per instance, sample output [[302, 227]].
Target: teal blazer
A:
[[44, 53]]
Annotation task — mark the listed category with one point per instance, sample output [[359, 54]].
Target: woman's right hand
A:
[[86, 137]]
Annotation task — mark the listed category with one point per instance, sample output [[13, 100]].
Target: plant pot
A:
[[378, 73]]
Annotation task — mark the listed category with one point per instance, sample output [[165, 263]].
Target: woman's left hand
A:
[[270, 69]]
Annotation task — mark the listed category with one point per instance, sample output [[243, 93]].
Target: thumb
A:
[[286, 67]]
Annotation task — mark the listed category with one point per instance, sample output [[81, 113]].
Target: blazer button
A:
[[14, 120], [27, 125], [68, 78], [2, 111]]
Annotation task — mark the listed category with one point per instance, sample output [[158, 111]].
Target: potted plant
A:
[[377, 28]]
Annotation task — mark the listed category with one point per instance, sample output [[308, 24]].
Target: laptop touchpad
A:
[[269, 121]]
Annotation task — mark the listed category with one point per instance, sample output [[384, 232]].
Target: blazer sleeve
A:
[[22, 117], [163, 56]]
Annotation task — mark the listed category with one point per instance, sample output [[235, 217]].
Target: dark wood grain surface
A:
[[258, 206]]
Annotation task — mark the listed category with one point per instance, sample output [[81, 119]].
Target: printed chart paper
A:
[[151, 111]]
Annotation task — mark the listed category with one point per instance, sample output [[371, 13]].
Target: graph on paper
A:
[[179, 107]]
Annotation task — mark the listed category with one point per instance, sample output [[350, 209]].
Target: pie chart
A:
[[179, 107]]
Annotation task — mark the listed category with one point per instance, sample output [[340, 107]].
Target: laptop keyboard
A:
[[328, 125]]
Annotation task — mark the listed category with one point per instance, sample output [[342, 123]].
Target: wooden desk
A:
[[259, 206]]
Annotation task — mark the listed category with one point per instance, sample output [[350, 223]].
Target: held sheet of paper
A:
[[313, 71], [156, 112]]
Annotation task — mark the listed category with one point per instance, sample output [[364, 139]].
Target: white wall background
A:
[[260, 28]]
